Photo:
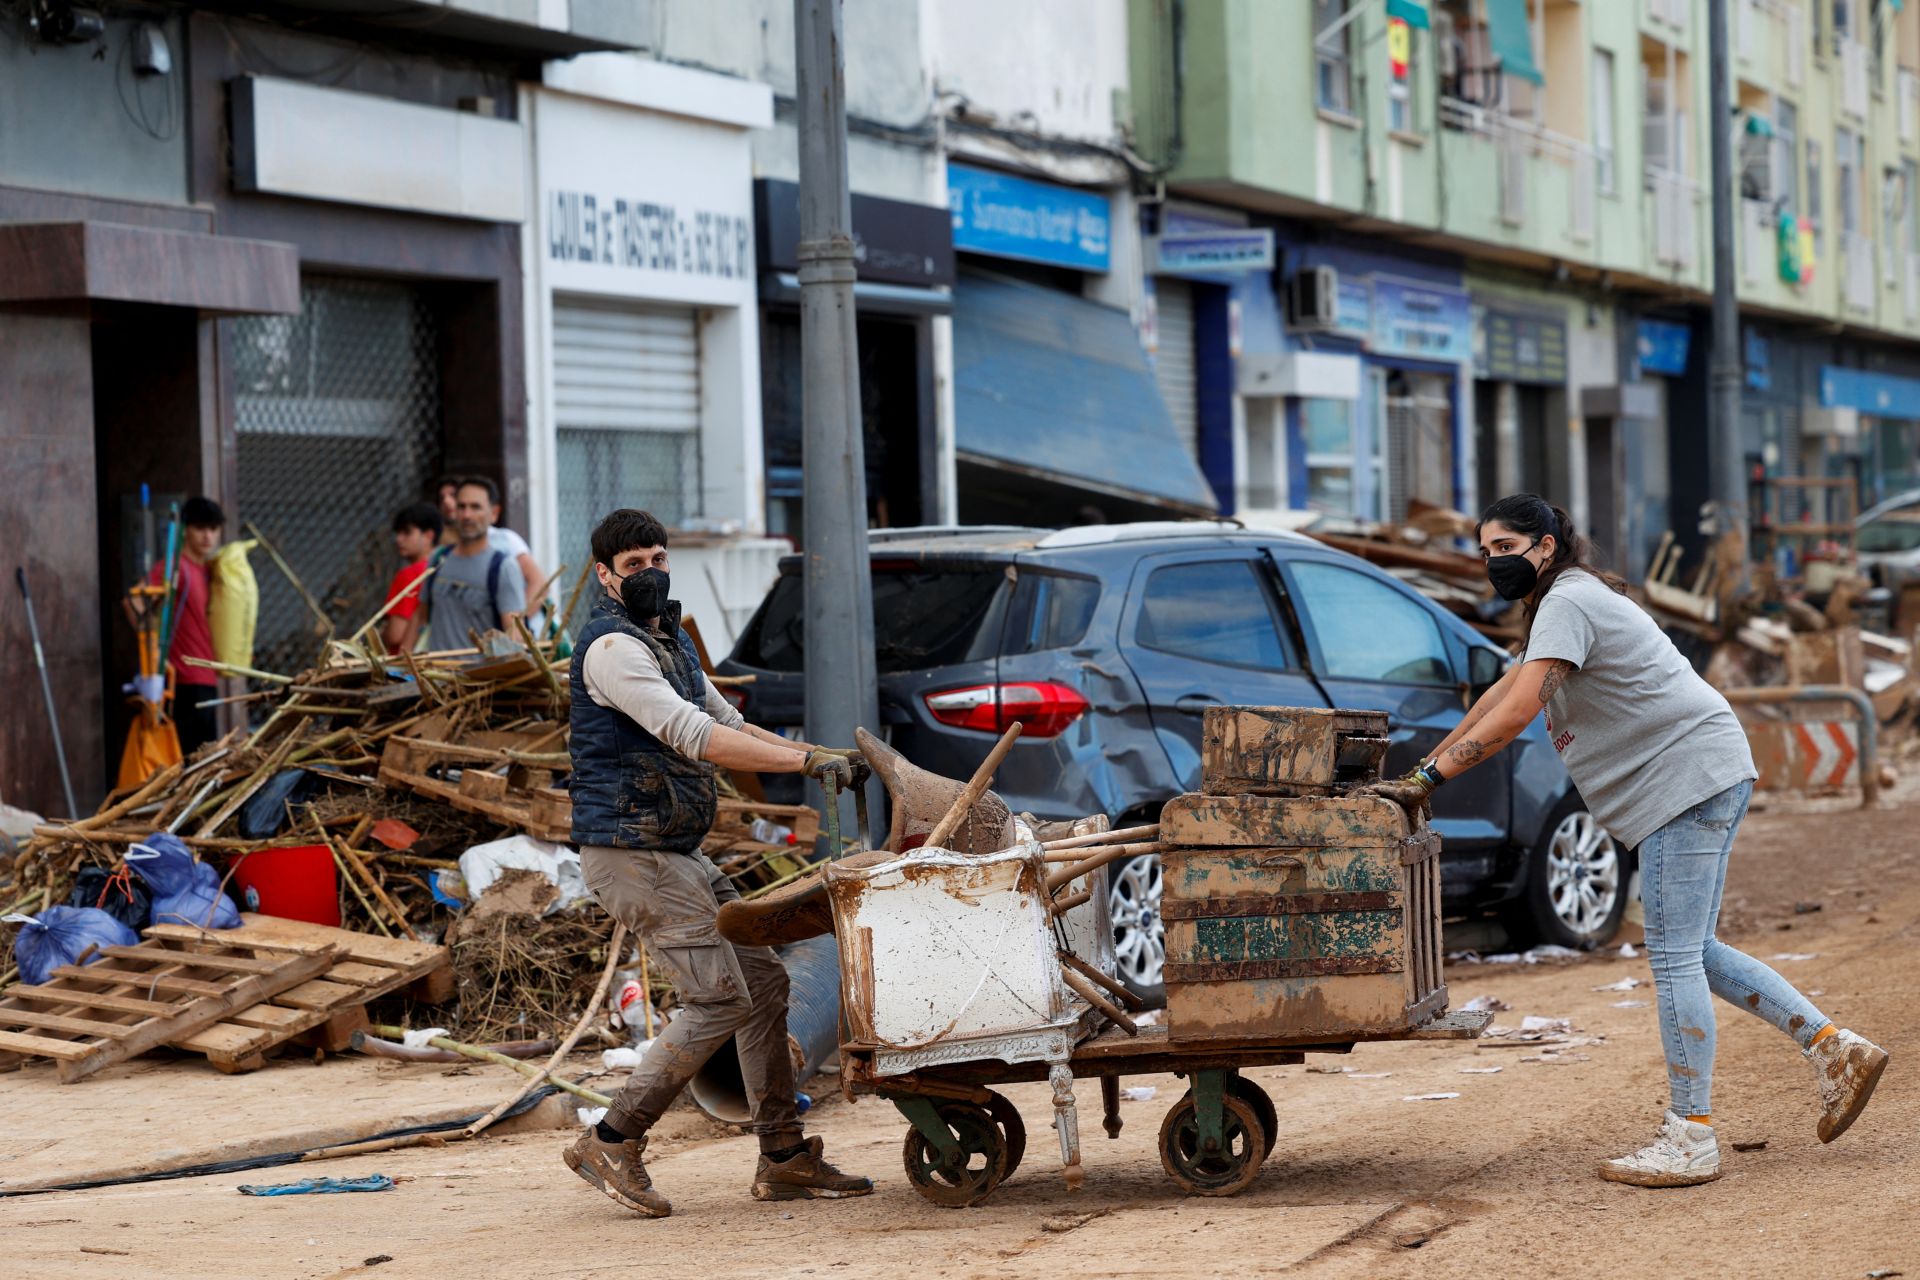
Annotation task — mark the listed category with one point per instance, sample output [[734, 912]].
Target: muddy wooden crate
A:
[[1298, 918], [1290, 751]]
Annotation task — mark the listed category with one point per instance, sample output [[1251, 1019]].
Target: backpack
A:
[[493, 585]]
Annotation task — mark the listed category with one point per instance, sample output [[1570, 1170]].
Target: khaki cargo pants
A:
[[670, 900]]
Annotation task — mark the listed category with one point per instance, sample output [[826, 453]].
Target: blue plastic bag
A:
[[185, 890], [58, 935]]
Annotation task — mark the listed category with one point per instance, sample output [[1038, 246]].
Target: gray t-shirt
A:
[[1644, 737], [457, 596]]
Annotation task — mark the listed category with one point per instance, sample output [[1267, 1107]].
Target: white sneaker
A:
[[1684, 1155], [1847, 1068]]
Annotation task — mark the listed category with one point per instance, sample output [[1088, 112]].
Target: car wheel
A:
[[1577, 878], [1139, 938]]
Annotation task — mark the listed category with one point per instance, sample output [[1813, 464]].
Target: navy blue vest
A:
[[630, 790]]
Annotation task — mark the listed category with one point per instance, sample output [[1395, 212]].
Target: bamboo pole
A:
[[412, 588], [614, 947], [536, 1075], [234, 669], [1149, 832], [292, 577], [1064, 876], [975, 788]]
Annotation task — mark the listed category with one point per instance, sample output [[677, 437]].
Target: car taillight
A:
[[736, 694], [1042, 708]]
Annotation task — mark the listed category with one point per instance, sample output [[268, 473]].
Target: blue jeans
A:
[[1683, 869]]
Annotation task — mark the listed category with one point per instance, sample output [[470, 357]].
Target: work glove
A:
[[823, 762], [855, 761], [1411, 793]]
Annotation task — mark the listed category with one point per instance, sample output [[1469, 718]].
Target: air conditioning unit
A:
[[1313, 299]]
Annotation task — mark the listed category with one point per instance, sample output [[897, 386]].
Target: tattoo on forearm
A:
[[1471, 751], [1558, 669]]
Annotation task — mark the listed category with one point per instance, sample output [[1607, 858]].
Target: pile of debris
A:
[[408, 775]]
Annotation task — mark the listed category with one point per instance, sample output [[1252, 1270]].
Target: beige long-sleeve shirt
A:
[[621, 672]]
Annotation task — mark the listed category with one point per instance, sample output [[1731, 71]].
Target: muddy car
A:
[[1107, 643]]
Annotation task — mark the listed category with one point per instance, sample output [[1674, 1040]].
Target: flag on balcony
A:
[[1411, 12], [1511, 40]]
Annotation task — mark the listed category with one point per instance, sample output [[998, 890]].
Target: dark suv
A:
[[1108, 642]]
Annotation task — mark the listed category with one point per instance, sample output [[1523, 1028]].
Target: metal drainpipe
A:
[[1869, 723]]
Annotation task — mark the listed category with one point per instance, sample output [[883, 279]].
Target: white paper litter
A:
[[1625, 984], [1139, 1092], [1428, 1097], [1627, 952], [626, 1056], [481, 865], [1480, 1071], [1368, 1075], [1493, 1003], [423, 1038], [1797, 955], [1534, 1022], [1629, 1004], [590, 1116]]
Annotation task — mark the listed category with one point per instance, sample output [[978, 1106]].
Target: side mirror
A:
[[1484, 669]]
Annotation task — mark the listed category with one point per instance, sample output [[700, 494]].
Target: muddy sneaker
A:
[[1847, 1067], [805, 1175], [617, 1169], [1684, 1155]]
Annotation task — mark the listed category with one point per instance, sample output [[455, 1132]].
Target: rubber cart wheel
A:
[[1013, 1130], [1224, 1172], [1256, 1097], [984, 1168]]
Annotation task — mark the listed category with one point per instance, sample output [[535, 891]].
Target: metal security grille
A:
[[338, 413], [1173, 359], [626, 405], [1419, 442]]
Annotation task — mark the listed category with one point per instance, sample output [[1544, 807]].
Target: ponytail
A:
[[1532, 516]]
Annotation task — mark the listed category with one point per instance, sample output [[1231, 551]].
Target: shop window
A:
[[1333, 56], [1343, 471]]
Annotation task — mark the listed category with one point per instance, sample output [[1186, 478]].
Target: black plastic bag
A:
[[120, 894]]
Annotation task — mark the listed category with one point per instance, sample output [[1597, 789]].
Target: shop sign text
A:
[[583, 226]]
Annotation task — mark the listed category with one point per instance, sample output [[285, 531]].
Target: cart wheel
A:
[[983, 1167], [1256, 1097], [1224, 1172], [1013, 1130]]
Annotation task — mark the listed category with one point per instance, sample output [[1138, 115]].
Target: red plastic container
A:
[[298, 882]]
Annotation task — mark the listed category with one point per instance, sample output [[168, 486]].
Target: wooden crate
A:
[[1298, 919], [1289, 750]]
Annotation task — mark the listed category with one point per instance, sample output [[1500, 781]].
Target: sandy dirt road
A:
[[1361, 1183]]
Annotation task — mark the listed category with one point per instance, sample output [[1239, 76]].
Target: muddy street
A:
[[1363, 1181]]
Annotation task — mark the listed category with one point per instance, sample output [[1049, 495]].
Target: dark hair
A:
[[445, 482], [202, 513], [419, 515], [623, 530], [479, 482], [1532, 516]]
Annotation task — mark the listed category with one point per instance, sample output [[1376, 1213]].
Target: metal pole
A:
[[46, 691], [1727, 476], [839, 593]]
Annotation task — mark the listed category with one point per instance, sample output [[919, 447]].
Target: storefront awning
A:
[[1411, 12], [1052, 385], [1511, 40]]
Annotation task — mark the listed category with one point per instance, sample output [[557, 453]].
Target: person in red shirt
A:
[[416, 532], [202, 525]]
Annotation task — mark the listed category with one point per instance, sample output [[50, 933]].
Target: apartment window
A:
[[1603, 121], [1816, 211], [1401, 70], [1847, 156], [1893, 208], [1786, 154], [1333, 56]]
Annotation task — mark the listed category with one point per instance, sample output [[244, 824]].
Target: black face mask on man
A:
[[1512, 576], [645, 593]]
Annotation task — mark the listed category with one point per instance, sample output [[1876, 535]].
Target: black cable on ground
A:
[[246, 1163]]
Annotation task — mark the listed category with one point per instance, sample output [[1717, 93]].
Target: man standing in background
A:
[[533, 582], [474, 588]]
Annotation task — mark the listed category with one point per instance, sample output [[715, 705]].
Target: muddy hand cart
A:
[[1301, 918]]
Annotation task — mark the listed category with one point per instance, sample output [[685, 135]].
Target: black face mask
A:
[[645, 593], [1512, 576]]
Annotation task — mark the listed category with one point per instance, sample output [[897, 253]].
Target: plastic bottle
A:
[[767, 831]]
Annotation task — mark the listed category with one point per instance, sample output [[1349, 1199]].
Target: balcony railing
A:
[[1676, 216], [1856, 258], [1518, 142], [1855, 78]]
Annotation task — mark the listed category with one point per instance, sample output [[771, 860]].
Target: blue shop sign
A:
[[1662, 346], [1009, 217], [1759, 361], [1881, 395], [1420, 321], [1214, 252]]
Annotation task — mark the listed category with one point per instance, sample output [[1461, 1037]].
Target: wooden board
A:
[[366, 967], [87, 1017], [1282, 821]]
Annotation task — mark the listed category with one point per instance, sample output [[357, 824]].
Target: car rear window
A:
[[923, 616], [1049, 611]]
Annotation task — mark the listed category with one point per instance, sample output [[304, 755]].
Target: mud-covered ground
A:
[[1362, 1182]]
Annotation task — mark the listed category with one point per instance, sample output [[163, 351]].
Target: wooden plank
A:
[[193, 959], [133, 978], [320, 994], [267, 1017], [225, 1038], [65, 1051], [91, 1000], [60, 1022], [276, 931], [360, 974]]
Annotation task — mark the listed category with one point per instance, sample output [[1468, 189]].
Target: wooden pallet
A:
[[87, 1017], [331, 1005]]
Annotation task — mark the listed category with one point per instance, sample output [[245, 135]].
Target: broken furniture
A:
[[1301, 917]]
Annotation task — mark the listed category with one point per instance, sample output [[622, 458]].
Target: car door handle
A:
[[1195, 704]]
